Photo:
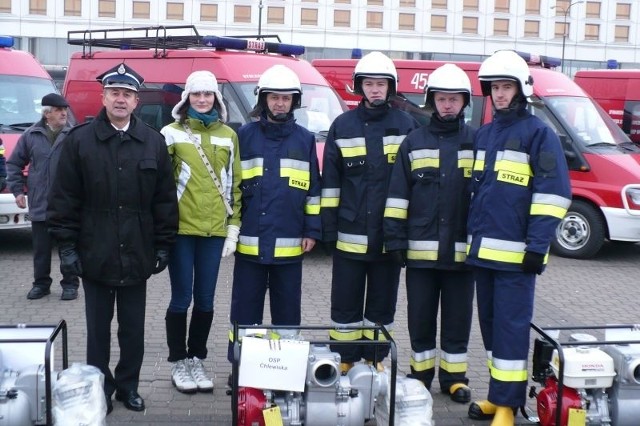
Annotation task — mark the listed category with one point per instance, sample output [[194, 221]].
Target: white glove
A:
[[231, 241]]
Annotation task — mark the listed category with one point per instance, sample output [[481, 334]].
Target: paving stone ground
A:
[[603, 290]]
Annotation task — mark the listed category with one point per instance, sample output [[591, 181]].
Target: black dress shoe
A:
[[131, 400], [38, 293], [69, 294]]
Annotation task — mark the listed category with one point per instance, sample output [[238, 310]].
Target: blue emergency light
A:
[[253, 45], [6, 41], [542, 60]]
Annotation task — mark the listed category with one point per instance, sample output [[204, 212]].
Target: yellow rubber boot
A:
[[345, 367], [379, 366], [504, 416], [482, 410]]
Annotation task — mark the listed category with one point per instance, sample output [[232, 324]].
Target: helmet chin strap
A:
[[377, 103], [281, 118]]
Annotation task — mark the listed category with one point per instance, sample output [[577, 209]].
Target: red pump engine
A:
[[547, 402]]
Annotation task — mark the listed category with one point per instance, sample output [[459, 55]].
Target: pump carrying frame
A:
[[558, 345], [377, 330], [61, 327]]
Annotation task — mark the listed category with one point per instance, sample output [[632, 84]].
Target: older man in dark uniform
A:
[[113, 210]]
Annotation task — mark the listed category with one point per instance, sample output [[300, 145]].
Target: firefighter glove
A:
[[399, 257], [69, 260], [231, 241], [162, 260], [532, 263]]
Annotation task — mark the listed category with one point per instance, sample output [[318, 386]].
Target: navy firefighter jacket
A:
[[521, 190], [428, 201], [280, 191], [361, 148]]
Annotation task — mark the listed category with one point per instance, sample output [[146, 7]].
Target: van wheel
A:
[[581, 233]]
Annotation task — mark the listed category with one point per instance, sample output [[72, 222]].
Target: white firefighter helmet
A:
[[375, 65], [505, 65], [280, 79], [451, 79]]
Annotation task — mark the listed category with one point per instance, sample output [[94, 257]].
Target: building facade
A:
[[587, 33]]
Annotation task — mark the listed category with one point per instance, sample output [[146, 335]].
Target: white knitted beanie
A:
[[201, 81]]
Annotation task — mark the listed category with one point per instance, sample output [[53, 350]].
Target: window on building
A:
[[107, 8], [374, 20], [141, 9], [407, 3], [531, 28], [375, 2], [560, 28], [622, 33], [209, 12], [438, 4], [623, 11], [242, 14], [310, 1], [532, 7], [592, 32], [308, 16], [593, 9], [72, 7], [501, 27], [406, 21], [341, 18], [502, 6], [275, 15], [470, 5], [175, 11], [469, 25], [438, 23], [5, 6], [342, 1], [37, 7]]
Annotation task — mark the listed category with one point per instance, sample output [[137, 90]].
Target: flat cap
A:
[[121, 76], [54, 100]]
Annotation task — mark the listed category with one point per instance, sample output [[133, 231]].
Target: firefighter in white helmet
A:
[[359, 153], [425, 228], [521, 191], [280, 206]]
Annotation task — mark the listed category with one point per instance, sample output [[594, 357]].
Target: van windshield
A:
[[320, 105], [585, 119], [20, 101]]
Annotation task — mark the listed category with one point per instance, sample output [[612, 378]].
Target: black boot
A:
[[199, 333], [176, 324]]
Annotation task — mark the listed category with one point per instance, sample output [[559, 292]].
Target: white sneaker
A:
[[199, 375], [181, 376]]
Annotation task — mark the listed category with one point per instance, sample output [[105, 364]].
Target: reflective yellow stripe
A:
[[422, 250], [288, 247], [513, 161], [422, 163], [549, 205], [251, 168], [465, 163], [501, 250], [330, 197], [509, 371], [453, 363], [370, 334], [295, 173], [343, 335], [461, 252], [396, 208], [352, 243], [478, 164], [248, 245], [422, 158], [354, 147], [312, 207], [426, 364]]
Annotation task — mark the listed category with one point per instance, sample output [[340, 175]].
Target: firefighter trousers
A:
[[362, 287], [505, 309], [250, 283], [428, 290]]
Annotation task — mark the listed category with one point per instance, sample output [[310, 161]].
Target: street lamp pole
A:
[[564, 28]]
